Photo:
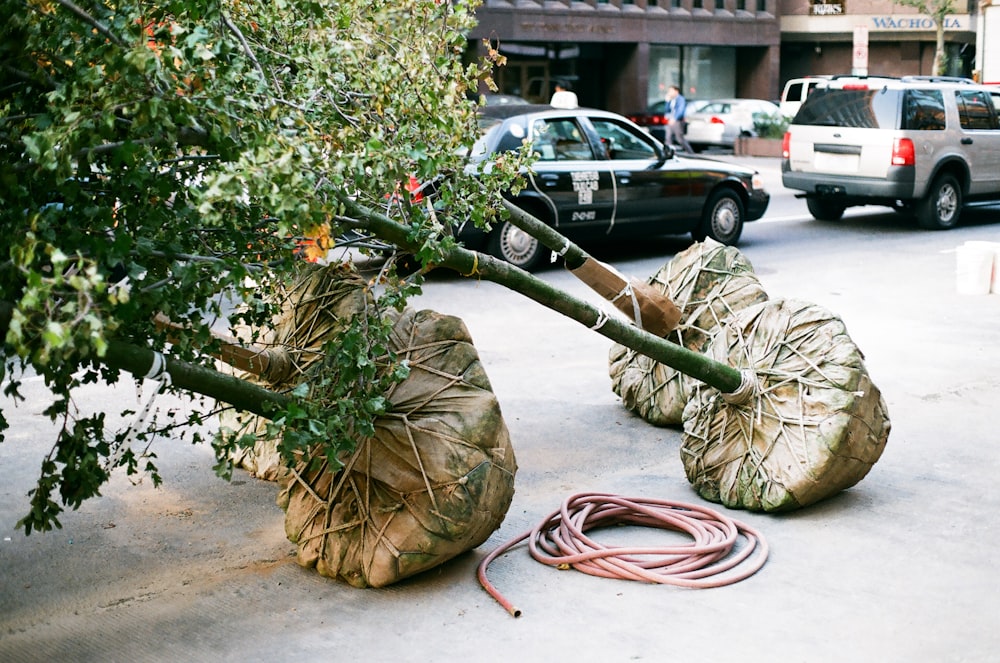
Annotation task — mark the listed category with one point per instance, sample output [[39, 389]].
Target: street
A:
[[902, 567]]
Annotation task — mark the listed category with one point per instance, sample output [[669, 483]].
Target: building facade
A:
[[622, 55], [834, 37]]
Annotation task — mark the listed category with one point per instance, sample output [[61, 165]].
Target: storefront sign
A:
[[826, 9], [566, 28], [916, 23], [833, 23]]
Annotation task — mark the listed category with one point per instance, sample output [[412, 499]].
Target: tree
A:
[[172, 159], [938, 10], [167, 158]]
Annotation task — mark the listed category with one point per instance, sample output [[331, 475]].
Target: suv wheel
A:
[[510, 243], [824, 209], [722, 219], [942, 206]]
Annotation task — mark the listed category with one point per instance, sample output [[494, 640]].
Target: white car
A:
[[795, 92], [719, 122]]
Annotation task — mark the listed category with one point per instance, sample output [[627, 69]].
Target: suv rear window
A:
[[861, 109]]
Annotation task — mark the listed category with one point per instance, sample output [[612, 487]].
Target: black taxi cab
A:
[[598, 175]]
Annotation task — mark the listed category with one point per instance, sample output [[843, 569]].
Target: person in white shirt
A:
[[563, 97]]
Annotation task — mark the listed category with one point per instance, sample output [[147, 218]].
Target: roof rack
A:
[[940, 79], [862, 76]]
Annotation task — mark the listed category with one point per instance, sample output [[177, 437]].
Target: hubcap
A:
[[725, 218], [517, 245], [947, 203]]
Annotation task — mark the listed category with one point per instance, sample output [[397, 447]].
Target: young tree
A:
[[166, 157], [938, 10]]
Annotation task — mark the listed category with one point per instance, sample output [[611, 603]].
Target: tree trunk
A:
[[939, 48], [183, 375], [472, 263], [258, 400]]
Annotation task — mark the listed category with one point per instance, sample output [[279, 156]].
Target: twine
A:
[[157, 371]]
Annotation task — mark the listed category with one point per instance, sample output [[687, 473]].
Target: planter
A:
[[747, 146]]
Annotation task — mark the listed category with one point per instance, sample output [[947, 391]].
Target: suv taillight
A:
[[785, 143], [903, 153]]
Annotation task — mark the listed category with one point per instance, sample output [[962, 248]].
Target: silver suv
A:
[[922, 145]]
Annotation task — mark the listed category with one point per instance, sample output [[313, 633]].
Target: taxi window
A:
[[620, 142], [560, 140]]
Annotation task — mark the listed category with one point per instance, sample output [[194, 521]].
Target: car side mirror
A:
[[663, 153]]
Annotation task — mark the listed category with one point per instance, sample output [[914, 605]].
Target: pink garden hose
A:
[[560, 541]]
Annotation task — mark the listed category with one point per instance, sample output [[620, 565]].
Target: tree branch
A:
[[91, 21], [230, 389], [474, 264]]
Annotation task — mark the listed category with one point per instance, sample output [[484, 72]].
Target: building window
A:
[[701, 72]]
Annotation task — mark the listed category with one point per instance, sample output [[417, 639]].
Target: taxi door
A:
[[578, 185], [650, 190]]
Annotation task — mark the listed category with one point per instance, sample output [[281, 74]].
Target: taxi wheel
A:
[[722, 219], [510, 243]]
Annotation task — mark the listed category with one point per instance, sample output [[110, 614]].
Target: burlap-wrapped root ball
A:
[[815, 427], [708, 282], [434, 481], [313, 309]]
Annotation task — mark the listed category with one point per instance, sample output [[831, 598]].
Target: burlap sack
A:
[[312, 311], [816, 427], [708, 282], [435, 480]]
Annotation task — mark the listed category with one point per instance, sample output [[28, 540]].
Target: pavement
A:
[[901, 567]]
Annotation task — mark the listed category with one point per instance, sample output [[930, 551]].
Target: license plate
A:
[[836, 163]]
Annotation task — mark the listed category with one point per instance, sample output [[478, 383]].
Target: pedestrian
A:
[[677, 119], [563, 97]]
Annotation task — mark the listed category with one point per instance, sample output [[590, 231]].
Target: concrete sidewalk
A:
[[902, 567]]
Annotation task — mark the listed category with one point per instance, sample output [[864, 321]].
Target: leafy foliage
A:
[[770, 126], [167, 157], [937, 10]]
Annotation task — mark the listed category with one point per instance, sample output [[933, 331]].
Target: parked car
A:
[[654, 118], [795, 92], [600, 176], [719, 122], [922, 145]]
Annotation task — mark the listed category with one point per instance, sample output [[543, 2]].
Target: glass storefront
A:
[[701, 72]]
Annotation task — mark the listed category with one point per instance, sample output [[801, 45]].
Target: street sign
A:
[[859, 63]]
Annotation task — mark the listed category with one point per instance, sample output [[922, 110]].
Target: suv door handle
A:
[[623, 176], [550, 179], [966, 141]]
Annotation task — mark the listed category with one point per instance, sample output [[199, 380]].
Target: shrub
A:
[[770, 126]]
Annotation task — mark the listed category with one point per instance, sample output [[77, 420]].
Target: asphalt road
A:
[[902, 567]]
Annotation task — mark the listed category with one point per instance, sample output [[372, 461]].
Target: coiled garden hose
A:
[[560, 541]]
